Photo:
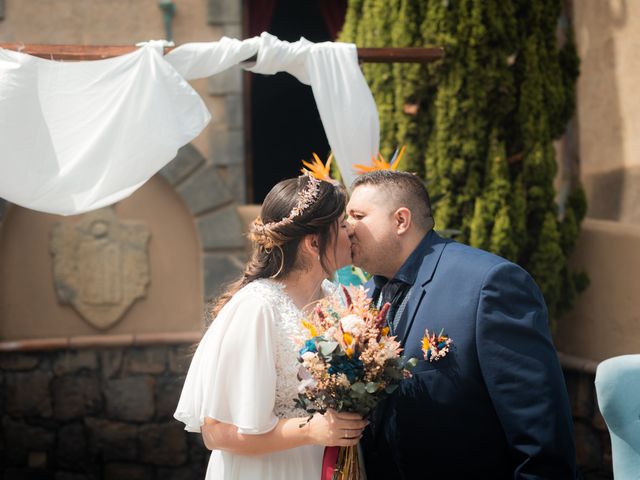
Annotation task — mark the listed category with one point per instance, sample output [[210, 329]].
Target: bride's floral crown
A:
[[265, 234]]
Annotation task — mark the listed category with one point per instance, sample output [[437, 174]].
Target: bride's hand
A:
[[336, 429]]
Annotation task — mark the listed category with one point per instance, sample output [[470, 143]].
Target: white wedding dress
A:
[[244, 372]]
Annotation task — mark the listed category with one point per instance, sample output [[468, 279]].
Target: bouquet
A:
[[349, 363]]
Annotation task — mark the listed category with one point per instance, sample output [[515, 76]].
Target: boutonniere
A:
[[435, 346]]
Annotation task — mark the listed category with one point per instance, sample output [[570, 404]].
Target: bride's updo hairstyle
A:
[[294, 208]]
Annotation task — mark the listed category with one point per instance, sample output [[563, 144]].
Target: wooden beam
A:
[[71, 52], [98, 52], [400, 55]]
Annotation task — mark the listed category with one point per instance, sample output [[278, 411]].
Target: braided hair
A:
[[275, 243]]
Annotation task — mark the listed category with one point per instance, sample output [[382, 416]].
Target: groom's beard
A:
[[376, 260]]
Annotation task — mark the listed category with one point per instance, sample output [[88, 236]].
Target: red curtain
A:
[[260, 15], [333, 12]]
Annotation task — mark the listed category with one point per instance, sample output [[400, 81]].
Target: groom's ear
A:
[[402, 218]]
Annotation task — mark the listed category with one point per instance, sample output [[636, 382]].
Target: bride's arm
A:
[[333, 429]]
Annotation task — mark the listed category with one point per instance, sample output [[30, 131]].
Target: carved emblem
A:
[[100, 265]]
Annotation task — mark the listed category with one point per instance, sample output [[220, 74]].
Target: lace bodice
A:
[[288, 326]]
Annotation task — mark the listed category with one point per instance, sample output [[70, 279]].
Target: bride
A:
[[240, 389]]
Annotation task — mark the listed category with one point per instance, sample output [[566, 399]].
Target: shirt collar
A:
[[408, 272]]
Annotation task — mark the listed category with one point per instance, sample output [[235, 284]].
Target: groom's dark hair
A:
[[406, 189]]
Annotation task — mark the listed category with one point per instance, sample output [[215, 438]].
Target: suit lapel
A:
[[425, 275]]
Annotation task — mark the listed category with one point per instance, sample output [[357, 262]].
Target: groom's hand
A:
[[336, 429]]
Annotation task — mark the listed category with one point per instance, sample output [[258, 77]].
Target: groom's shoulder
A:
[[470, 258], [474, 264], [455, 248]]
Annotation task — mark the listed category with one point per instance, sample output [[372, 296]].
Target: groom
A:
[[496, 405]]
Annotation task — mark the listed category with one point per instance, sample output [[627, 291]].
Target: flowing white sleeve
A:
[[232, 377]]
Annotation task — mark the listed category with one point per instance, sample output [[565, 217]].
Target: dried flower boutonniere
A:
[[435, 346]]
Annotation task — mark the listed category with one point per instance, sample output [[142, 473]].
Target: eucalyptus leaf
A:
[[393, 373], [411, 363], [371, 387], [327, 348], [358, 387]]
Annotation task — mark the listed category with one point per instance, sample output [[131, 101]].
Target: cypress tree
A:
[[369, 22], [491, 226], [412, 94], [482, 121], [456, 148], [546, 78]]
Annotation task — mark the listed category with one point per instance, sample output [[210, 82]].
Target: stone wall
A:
[[107, 413], [593, 444], [96, 414]]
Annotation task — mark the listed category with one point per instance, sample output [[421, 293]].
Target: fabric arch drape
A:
[[79, 136]]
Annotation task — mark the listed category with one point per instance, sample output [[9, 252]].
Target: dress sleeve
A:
[[232, 376]]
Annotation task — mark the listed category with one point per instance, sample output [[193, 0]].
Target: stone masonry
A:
[[96, 414], [107, 413], [593, 444]]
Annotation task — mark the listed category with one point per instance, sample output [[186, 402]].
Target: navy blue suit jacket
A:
[[496, 406]]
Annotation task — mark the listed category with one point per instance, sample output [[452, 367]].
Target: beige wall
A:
[[608, 113], [185, 254], [606, 319], [28, 303], [110, 22]]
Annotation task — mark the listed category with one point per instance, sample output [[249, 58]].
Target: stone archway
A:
[[215, 214]]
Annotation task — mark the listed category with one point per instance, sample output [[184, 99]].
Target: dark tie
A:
[[393, 292]]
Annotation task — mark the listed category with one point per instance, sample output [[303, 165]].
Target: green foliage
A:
[[491, 222], [479, 124], [412, 95]]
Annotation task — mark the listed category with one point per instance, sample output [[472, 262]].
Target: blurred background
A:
[[526, 133]]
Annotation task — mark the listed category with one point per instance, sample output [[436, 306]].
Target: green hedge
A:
[[479, 125]]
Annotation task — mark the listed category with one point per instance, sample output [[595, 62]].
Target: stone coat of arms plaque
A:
[[100, 265]]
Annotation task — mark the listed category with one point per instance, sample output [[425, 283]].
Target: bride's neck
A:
[[304, 287]]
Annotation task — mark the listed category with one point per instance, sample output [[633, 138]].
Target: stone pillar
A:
[[224, 12], [226, 91], [213, 206]]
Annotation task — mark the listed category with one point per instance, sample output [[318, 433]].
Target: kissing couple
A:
[[496, 406]]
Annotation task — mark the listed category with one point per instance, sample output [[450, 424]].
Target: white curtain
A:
[[77, 136]]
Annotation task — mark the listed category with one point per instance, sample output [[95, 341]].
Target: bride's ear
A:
[[311, 245]]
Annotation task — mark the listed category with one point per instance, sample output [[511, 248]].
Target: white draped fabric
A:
[[244, 373], [77, 136]]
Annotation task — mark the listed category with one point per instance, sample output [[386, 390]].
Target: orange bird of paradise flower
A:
[[380, 163], [426, 344], [321, 171]]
